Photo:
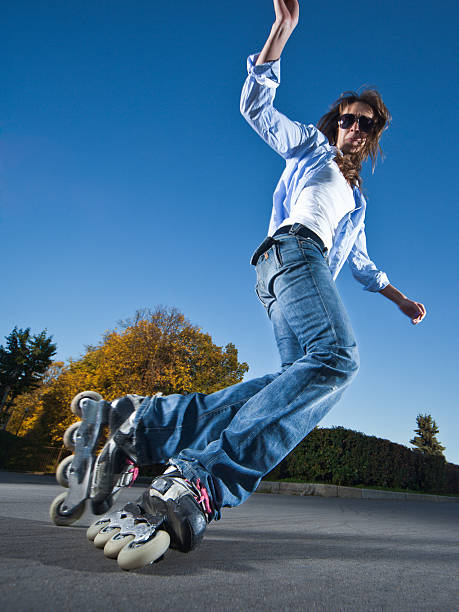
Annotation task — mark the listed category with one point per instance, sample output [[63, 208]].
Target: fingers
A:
[[287, 11], [422, 313]]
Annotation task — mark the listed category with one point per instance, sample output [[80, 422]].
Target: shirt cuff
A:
[[267, 74], [378, 283]]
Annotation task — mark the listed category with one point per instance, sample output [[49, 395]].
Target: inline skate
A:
[[86, 474], [173, 512]]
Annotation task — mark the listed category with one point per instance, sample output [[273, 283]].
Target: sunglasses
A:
[[366, 124]]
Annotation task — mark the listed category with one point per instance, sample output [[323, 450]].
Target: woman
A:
[[219, 446]]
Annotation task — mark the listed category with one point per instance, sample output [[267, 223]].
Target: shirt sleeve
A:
[[281, 133], [362, 268]]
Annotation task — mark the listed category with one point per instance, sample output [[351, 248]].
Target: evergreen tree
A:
[[23, 362], [426, 440]]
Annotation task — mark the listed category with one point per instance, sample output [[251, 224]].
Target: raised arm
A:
[[285, 136], [287, 14]]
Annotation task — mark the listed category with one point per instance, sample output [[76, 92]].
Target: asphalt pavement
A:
[[275, 552]]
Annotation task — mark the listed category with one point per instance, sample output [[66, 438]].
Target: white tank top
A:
[[323, 203]]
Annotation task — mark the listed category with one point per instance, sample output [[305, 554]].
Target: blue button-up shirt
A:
[[305, 150]]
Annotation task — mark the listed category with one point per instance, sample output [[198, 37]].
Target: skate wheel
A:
[[115, 544], [104, 536], [64, 520], [62, 472], [95, 527], [70, 435], [75, 405], [134, 556]]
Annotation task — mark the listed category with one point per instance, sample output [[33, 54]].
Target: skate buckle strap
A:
[[204, 496], [134, 471]]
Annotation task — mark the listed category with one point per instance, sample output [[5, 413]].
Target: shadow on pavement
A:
[[229, 550]]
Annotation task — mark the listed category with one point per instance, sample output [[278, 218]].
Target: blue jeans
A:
[[232, 438]]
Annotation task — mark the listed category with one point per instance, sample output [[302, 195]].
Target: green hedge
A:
[[337, 456], [10, 446], [451, 478], [344, 457], [20, 455]]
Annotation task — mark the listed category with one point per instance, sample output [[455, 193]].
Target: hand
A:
[[287, 13], [415, 310]]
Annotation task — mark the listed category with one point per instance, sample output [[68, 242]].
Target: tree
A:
[[155, 351], [27, 408], [23, 362], [426, 440]]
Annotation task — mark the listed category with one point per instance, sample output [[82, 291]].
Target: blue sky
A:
[[128, 179]]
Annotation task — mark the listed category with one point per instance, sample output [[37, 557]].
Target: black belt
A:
[[296, 230], [300, 230]]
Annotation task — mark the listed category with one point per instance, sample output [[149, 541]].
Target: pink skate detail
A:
[[134, 471], [204, 499]]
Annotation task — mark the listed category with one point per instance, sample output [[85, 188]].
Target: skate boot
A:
[[86, 475], [115, 466], [172, 512]]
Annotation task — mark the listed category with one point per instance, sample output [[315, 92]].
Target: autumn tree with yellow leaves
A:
[[156, 351]]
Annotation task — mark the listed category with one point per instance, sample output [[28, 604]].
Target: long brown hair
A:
[[350, 164]]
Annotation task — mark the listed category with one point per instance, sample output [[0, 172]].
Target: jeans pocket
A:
[[258, 292]]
